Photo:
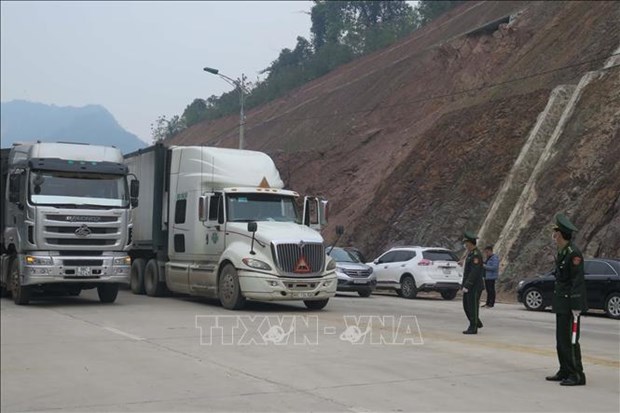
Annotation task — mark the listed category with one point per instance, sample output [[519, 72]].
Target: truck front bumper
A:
[[74, 269], [265, 287]]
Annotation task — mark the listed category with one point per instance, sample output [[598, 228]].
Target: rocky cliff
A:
[[487, 119]]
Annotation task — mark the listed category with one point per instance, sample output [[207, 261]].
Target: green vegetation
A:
[[341, 31]]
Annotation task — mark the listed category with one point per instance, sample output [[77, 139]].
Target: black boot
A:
[[559, 376]]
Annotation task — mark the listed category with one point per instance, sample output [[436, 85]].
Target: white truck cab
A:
[[217, 222]]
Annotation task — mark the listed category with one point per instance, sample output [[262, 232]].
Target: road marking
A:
[[122, 333]]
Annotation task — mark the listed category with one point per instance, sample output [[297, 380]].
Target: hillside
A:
[[30, 121], [484, 120]]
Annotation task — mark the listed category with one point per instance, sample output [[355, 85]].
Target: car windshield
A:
[[439, 255], [78, 189], [261, 207], [341, 255]]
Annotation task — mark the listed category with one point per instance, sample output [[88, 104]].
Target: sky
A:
[[139, 60]]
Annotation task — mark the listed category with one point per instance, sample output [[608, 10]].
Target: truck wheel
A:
[[229, 290], [21, 294], [136, 279], [316, 304], [448, 294], [152, 285], [612, 306], [408, 288], [107, 293], [5, 291]]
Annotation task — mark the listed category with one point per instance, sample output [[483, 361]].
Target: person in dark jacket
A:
[[472, 283], [569, 301], [491, 273]]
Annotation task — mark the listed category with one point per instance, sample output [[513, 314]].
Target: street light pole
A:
[[239, 84]]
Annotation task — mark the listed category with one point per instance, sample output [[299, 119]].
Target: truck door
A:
[[204, 276], [178, 266]]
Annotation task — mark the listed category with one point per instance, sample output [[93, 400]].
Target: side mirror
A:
[[339, 230], [323, 212], [252, 226], [203, 207], [134, 188], [14, 188]]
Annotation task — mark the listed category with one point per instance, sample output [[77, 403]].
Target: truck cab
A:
[[231, 230], [66, 221]]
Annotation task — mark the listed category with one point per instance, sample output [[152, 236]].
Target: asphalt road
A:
[[381, 353]]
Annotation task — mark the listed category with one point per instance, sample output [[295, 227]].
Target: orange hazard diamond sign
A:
[[302, 266]]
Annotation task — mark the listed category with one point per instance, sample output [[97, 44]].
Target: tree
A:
[[430, 10], [195, 112], [166, 129]]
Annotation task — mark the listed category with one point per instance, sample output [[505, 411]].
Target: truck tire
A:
[[21, 294], [136, 279], [316, 304], [229, 290], [152, 286], [407, 287], [107, 293]]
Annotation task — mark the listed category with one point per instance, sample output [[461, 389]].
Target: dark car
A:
[[353, 275], [602, 286]]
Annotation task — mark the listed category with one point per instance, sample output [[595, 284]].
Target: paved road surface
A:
[[381, 353]]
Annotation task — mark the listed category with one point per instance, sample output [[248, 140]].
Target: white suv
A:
[[411, 269]]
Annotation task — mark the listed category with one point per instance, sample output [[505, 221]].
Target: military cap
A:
[[563, 224], [468, 236]]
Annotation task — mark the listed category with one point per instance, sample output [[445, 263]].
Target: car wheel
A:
[[408, 288], [316, 304], [448, 294], [136, 280], [365, 293], [21, 294], [612, 306], [533, 299], [229, 290]]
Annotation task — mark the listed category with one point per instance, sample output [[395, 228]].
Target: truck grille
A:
[[61, 230], [303, 259], [358, 273]]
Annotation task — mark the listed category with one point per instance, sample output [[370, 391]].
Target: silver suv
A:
[[353, 275], [411, 269]]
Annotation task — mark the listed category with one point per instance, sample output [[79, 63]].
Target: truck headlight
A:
[[122, 260], [258, 264], [35, 260], [331, 265]]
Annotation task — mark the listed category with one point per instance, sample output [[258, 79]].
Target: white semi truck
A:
[[65, 220], [217, 223]]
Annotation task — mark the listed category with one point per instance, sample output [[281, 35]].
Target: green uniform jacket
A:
[[570, 287], [473, 271]]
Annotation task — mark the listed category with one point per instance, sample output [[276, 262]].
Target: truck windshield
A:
[[260, 207], [70, 188]]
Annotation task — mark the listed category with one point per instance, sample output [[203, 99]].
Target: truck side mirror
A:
[[134, 191], [252, 226], [339, 230], [323, 212], [203, 207], [14, 188]]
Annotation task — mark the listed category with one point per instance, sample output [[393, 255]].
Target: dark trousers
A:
[[471, 300], [569, 355], [489, 285]]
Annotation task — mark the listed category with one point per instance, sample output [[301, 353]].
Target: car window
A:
[[402, 256], [387, 257], [438, 255], [341, 255], [598, 267]]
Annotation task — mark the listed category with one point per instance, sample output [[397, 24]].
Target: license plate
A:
[[83, 271], [447, 271], [303, 295], [360, 281]]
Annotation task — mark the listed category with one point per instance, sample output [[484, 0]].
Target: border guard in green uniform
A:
[[569, 301], [473, 273]]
